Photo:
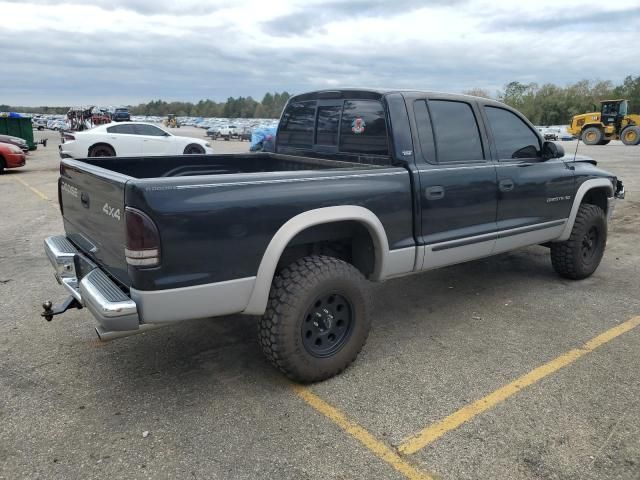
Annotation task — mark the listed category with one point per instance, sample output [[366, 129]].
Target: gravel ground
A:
[[212, 407]]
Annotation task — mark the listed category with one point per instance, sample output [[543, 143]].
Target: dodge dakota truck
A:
[[364, 185]]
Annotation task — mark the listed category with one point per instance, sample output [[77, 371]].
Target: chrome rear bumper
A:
[[111, 307]]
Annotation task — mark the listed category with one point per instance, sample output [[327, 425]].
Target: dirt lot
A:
[[492, 369]]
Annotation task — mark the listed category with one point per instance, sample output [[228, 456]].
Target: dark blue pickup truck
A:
[[363, 185]]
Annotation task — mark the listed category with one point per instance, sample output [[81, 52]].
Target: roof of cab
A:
[[377, 93]]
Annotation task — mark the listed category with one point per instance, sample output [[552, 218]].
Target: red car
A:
[[11, 157]]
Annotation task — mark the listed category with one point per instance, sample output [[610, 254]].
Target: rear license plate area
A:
[[83, 266]]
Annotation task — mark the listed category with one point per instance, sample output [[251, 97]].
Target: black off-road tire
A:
[[285, 330], [630, 135], [579, 256], [102, 151], [194, 149], [592, 136]]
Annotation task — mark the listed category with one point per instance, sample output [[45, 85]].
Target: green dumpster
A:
[[18, 127]]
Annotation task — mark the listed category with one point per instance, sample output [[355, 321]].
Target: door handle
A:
[[506, 185], [435, 193], [84, 200]]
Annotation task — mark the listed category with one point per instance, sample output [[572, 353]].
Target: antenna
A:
[[576, 152]]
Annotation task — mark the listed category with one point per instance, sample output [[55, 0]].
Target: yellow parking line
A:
[[34, 190], [453, 421], [378, 448]]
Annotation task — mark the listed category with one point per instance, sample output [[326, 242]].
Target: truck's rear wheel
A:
[[317, 318], [592, 135], [630, 135], [579, 256]]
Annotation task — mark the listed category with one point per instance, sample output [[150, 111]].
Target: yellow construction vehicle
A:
[[612, 122], [172, 121]]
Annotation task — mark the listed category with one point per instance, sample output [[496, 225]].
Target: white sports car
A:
[[129, 139]]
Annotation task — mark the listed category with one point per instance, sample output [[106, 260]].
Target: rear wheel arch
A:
[[100, 145], [344, 216]]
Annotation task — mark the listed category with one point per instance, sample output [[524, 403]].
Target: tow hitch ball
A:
[[50, 309]]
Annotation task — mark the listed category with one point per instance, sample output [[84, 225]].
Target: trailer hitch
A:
[[50, 309]]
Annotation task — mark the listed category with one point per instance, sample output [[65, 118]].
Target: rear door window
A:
[[127, 129], [297, 124], [456, 132], [363, 128]]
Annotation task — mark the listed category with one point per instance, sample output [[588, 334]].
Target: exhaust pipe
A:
[[108, 335]]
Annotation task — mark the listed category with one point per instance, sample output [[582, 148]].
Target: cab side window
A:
[[297, 124], [513, 137], [456, 132]]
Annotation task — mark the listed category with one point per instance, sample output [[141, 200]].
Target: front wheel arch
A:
[[595, 183], [194, 149]]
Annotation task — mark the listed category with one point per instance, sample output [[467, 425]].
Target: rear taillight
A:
[[143, 241], [68, 137]]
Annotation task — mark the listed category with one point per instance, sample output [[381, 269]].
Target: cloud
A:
[[117, 52], [145, 7], [313, 17]]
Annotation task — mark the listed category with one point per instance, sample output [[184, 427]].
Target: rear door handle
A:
[[435, 193], [506, 185]]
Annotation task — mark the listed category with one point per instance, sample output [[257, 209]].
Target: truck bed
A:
[[190, 165]]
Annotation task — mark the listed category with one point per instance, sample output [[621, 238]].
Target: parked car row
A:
[[129, 139], [11, 155], [230, 132], [555, 133], [21, 143]]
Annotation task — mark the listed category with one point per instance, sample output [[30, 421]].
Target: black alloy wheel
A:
[[327, 325], [589, 243]]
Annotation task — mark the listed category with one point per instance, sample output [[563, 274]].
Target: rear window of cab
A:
[[349, 126]]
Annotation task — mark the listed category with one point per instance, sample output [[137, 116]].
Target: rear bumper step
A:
[[112, 308]]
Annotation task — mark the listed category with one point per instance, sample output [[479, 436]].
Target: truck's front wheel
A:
[[579, 256], [317, 318]]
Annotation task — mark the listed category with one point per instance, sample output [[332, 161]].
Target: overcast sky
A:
[[110, 52]]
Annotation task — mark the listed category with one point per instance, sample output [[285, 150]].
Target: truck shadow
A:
[[226, 350]]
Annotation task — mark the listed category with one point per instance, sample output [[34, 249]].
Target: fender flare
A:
[[577, 201], [266, 271]]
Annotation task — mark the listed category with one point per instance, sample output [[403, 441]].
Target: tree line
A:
[[242, 107], [549, 104], [546, 104]]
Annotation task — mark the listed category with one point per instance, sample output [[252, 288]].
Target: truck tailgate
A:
[[92, 201]]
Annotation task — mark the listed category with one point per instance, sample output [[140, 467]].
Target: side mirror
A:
[[552, 150]]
